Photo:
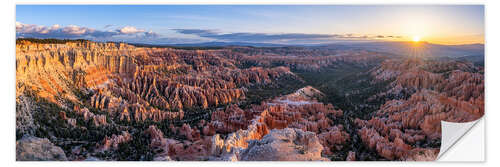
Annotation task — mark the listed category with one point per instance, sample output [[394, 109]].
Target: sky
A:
[[278, 24]]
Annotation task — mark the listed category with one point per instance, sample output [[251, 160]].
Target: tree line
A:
[[49, 40]]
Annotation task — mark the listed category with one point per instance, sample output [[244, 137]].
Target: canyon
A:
[[116, 101]]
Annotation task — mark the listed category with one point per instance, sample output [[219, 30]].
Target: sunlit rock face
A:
[[134, 84], [54, 70]]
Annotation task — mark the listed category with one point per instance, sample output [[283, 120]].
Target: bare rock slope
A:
[[287, 144], [38, 149]]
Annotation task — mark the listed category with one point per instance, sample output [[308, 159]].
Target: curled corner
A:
[[451, 132]]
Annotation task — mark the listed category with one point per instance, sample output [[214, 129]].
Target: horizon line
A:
[[269, 43]]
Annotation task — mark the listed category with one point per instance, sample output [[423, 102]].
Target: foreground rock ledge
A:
[[38, 149], [287, 144]]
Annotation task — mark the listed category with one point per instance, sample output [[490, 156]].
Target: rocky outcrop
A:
[[333, 139], [403, 128], [391, 150], [351, 156], [53, 70], [97, 120], [38, 149], [401, 123], [201, 142], [284, 145], [158, 143], [171, 149], [25, 108], [311, 116], [134, 83], [305, 95], [112, 142], [459, 80]]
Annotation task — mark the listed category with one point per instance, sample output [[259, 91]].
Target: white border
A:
[[7, 9]]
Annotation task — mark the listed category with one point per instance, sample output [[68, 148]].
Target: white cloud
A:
[[74, 31], [130, 30]]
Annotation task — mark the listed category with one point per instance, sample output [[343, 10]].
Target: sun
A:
[[416, 38]]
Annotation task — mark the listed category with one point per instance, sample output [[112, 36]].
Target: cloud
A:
[[199, 32], [251, 36], [138, 35], [108, 25], [57, 31], [129, 30], [151, 34], [279, 38], [73, 31]]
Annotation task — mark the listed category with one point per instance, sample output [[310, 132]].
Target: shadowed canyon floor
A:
[[81, 100]]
